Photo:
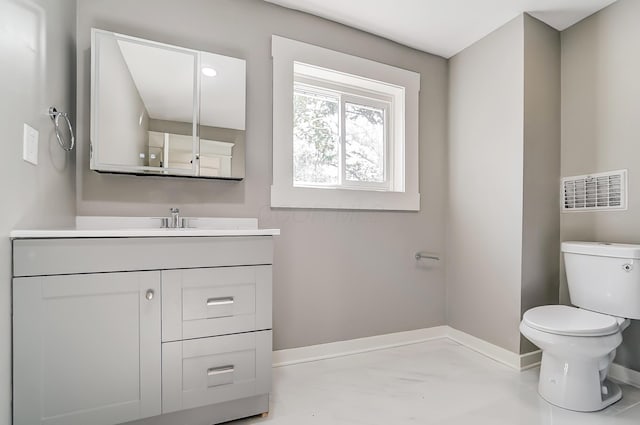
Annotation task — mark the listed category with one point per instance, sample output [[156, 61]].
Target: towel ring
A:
[[55, 117]]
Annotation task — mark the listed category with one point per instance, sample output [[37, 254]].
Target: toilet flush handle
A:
[[627, 267]]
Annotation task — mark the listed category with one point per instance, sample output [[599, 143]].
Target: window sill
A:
[[321, 198]]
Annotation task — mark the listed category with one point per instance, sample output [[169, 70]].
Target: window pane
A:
[[316, 138], [364, 147]]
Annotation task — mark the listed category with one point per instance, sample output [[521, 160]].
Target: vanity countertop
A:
[[142, 227], [137, 233]]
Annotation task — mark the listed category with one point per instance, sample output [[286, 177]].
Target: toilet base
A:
[[577, 384]]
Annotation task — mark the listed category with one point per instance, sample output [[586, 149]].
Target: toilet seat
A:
[[570, 321]]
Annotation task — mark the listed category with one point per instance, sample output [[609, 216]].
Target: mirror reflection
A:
[[165, 110], [222, 115]]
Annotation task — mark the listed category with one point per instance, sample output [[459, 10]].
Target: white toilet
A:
[[579, 344]]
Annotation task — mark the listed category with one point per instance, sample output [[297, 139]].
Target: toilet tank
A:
[[604, 277]]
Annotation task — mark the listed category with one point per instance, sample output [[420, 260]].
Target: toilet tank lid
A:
[[603, 249]]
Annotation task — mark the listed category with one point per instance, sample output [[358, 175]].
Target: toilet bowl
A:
[[578, 347], [579, 344]]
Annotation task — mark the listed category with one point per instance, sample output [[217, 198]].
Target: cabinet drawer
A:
[[213, 370], [198, 303]]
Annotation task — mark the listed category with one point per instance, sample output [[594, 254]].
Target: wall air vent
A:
[[602, 191]]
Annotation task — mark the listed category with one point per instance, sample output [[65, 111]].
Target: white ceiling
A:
[[443, 27]]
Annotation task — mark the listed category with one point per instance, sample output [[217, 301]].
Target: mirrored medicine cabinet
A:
[[164, 110]]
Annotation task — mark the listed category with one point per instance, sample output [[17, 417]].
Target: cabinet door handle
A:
[[219, 301], [220, 370], [149, 295]]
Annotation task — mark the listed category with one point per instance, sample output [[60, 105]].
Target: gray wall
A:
[[338, 274], [484, 247], [540, 218], [504, 156], [601, 126], [37, 48]]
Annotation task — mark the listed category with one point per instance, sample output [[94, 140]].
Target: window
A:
[[341, 135], [345, 131]]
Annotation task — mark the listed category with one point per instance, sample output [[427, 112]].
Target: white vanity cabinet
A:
[[145, 331]]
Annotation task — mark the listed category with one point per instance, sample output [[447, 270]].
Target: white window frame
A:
[[384, 83]]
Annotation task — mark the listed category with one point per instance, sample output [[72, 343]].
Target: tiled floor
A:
[[436, 382]]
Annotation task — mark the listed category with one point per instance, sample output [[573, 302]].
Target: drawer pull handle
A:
[[220, 370], [219, 301]]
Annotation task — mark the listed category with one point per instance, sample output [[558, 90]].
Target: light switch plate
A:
[[30, 144]]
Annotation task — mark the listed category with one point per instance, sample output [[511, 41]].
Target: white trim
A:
[[362, 345], [530, 360], [283, 194], [499, 354], [330, 350], [305, 197], [624, 375]]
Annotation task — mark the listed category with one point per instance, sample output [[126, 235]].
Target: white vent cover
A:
[[602, 191]]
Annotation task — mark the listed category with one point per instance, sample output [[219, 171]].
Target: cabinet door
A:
[[86, 348]]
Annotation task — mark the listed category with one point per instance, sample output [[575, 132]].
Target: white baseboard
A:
[[379, 342], [499, 354], [355, 346], [530, 360], [624, 375]]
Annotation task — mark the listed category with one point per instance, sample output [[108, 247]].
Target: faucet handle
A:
[[174, 210]]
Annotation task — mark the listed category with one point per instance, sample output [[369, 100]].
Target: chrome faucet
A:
[[174, 223]]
